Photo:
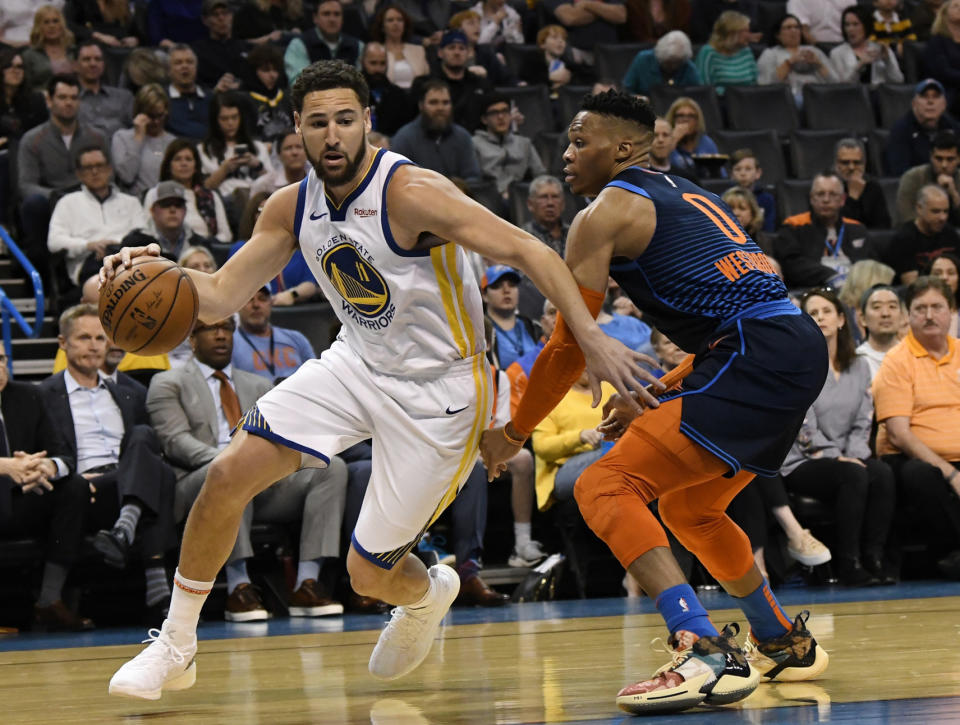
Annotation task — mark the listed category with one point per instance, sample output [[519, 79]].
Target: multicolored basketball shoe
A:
[[791, 657], [709, 670]]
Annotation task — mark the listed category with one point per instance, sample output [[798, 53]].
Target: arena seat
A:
[[752, 108], [612, 60], [534, 103], [838, 105], [811, 151], [764, 144]]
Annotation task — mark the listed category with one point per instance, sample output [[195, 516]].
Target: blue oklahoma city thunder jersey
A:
[[701, 270]]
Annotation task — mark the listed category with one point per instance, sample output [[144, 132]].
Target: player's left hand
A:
[[618, 414], [496, 450], [611, 360]]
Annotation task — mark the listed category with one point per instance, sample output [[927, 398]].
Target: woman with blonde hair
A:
[[942, 56], [50, 45], [726, 59], [405, 60], [689, 134], [745, 208], [138, 152]]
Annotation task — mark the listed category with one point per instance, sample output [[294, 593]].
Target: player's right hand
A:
[[609, 359], [123, 258], [617, 417], [496, 450]]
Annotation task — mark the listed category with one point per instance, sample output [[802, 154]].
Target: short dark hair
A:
[[492, 98], [926, 283], [740, 154], [89, 149], [326, 74], [430, 84], [868, 293], [68, 79], [86, 44], [621, 105], [945, 140]]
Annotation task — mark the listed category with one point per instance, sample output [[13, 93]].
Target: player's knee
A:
[[366, 579], [681, 519], [222, 486]]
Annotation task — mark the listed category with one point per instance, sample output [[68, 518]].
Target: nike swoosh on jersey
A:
[[314, 217], [458, 410]]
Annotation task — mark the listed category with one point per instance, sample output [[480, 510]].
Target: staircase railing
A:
[[8, 309]]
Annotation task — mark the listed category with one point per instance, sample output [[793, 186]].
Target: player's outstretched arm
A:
[[256, 263], [590, 245], [424, 201]]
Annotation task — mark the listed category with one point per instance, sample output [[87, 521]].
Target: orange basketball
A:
[[149, 308]]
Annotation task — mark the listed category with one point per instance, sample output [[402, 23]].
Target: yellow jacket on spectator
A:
[[557, 438]]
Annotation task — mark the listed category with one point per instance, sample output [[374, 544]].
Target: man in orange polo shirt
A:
[[917, 397]]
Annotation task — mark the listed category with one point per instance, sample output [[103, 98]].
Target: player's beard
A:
[[349, 169]]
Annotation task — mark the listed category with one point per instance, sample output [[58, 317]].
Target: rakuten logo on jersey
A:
[[365, 212]]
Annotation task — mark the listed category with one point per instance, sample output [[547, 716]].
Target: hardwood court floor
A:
[[891, 660]]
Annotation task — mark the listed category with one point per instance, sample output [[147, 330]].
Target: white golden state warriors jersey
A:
[[404, 312]]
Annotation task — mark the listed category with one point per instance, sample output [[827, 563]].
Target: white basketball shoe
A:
[[406, 640], [163, 665]]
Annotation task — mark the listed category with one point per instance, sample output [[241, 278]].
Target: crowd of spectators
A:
[[123, 123]]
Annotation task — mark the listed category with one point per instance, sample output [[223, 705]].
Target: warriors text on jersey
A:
[[405, 312]]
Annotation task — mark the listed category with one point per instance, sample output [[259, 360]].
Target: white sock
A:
[[186, 601], [521, 533], [309, 569], [427, 597], [237, 574]]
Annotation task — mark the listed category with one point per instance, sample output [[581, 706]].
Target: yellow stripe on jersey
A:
[[481, 381], [361, 180], [450, 252], [447, 295]]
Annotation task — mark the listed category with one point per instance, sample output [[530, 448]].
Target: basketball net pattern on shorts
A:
[[228, 399]]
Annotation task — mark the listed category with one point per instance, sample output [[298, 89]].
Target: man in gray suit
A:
[[194, 409]]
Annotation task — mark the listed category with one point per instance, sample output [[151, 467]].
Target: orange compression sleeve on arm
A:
[[558, 366]]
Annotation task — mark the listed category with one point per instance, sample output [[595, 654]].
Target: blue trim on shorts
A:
[[707, 386], [254, 422], [301, 203], [696, 437], [762, 311], [372, 558], [627, 186], [385, 222]]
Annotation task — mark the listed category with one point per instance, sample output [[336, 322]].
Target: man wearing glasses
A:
[[88, 221], [504, 156], [819, 246], [865, 201]]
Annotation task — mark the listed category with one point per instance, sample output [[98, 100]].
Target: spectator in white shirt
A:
[[820, 19], [880, 314], [86, 222]]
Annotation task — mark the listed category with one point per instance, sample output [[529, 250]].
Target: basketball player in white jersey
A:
[[407, 370]]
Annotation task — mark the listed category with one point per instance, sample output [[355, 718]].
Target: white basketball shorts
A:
[[425, 433]]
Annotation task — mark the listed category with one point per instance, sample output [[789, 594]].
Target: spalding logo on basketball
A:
[[149, 308], [362, 286]]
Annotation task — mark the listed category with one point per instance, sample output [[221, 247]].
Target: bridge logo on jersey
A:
[[360, 285]]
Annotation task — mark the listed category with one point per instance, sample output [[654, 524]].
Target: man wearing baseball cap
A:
[[166, 226], [467, 89], [910, 139], [513, 334]]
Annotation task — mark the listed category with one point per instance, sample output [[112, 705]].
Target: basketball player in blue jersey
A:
[[407, 371], [679, 253]]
